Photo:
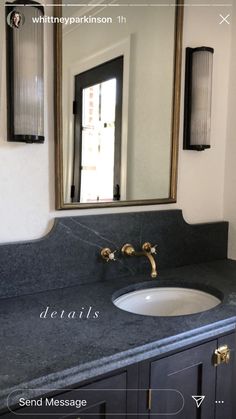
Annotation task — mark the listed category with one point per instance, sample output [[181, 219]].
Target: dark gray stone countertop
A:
[[54, 353]]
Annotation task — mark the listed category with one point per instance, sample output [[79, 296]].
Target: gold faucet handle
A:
[[153, 249], [147, 247], [108, 255]]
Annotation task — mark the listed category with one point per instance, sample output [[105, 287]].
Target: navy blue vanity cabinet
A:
[[174, 379], [158, 387]]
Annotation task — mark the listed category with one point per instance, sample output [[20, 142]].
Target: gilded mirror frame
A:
[[60, 204]]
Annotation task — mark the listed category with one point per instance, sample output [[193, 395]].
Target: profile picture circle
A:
[[15, 19]]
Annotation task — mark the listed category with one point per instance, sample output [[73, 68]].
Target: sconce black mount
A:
[[25, 71], [197, 98]]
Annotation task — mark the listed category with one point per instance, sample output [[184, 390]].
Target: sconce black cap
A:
[[29, 139], [209, 49]]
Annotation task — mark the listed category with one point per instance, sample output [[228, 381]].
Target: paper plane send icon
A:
[[198, 400]]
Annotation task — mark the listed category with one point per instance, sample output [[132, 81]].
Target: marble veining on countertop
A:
[[48, 353]]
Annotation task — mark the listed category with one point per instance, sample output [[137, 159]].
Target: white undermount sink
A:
[[166, 301]]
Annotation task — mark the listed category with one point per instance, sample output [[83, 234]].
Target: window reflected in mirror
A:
[[97, 123]]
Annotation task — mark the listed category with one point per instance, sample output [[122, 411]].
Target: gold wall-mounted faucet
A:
[[147, 250]]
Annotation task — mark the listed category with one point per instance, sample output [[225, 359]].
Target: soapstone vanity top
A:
[[64, 273], [50, 353]]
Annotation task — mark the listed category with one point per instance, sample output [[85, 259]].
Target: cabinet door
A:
[[225, 382], [175, 379]]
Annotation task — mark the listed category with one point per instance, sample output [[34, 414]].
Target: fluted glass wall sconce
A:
[[25, 91], [197, 100]]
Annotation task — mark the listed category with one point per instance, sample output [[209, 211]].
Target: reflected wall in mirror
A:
[[117, 103]]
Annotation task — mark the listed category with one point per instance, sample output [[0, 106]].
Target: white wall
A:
[[230, 172], [27, 171]]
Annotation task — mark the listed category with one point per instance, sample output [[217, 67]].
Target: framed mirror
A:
[[117, 103]]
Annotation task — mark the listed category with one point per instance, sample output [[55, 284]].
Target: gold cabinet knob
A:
[[221, 355], [108, 255]]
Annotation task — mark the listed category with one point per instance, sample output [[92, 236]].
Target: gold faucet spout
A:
[[129, 250], [153, 264]]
